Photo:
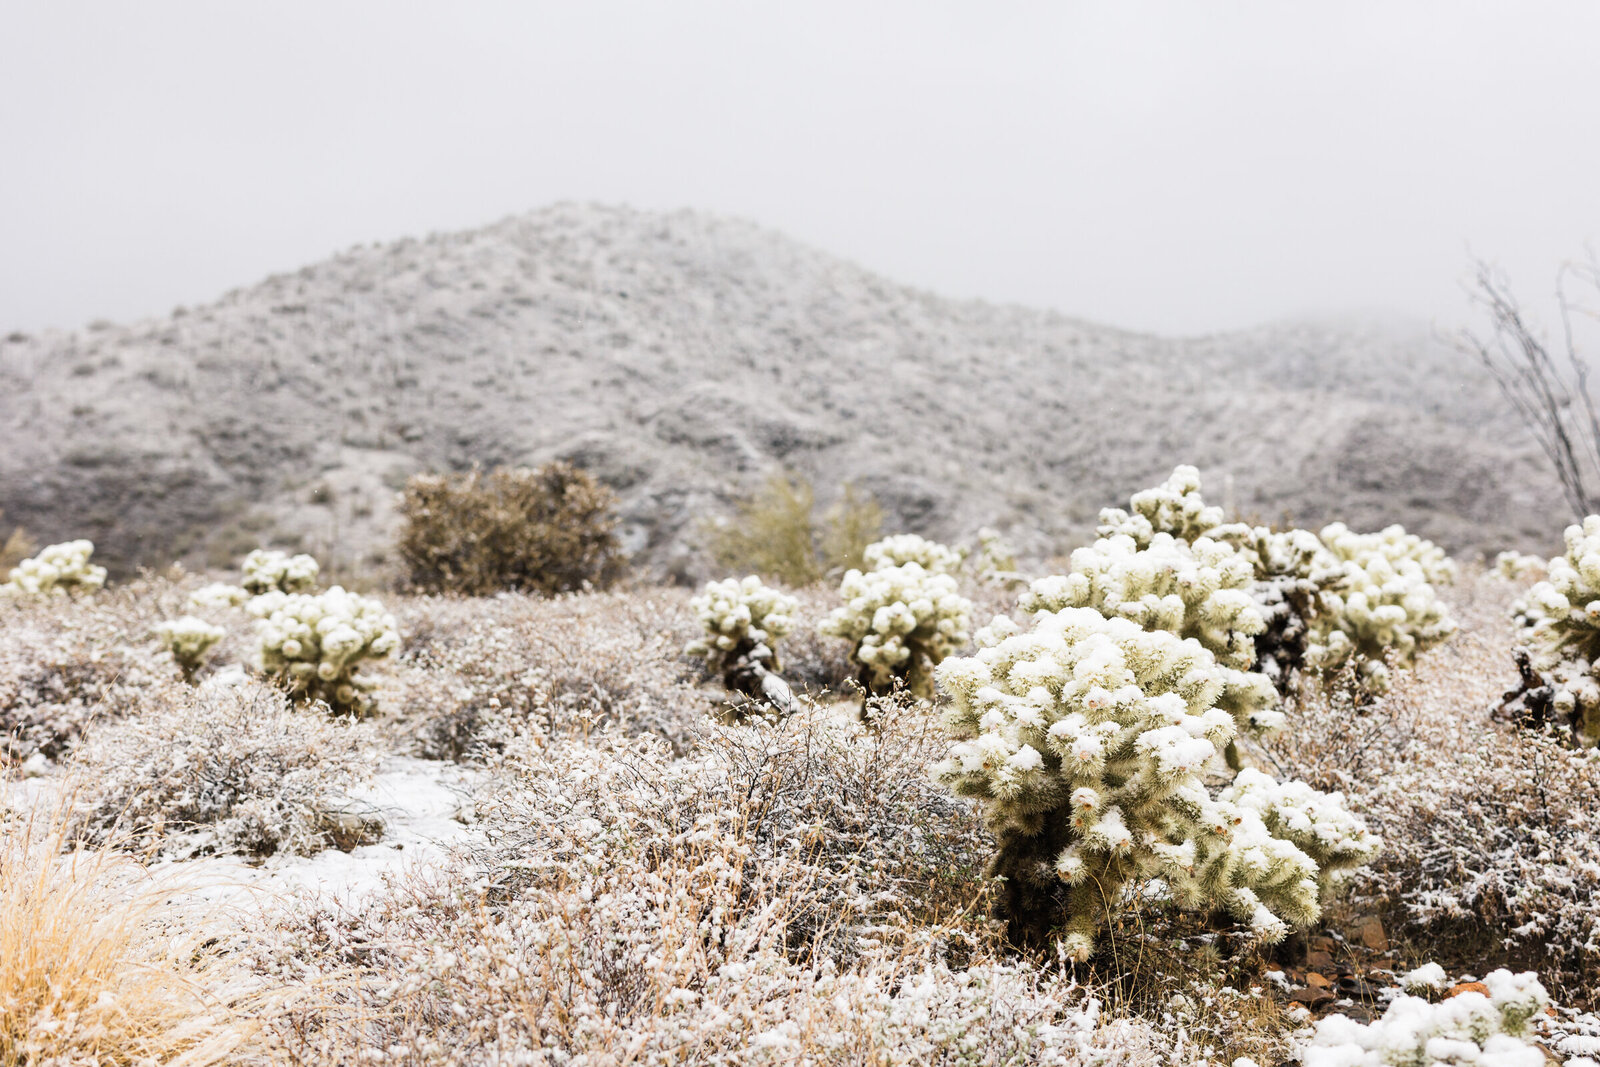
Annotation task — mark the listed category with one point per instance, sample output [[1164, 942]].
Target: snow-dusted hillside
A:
[[681, 357]]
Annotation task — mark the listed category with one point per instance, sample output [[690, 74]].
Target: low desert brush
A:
[[548, 531]]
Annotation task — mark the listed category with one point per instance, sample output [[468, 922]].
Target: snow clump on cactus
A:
[[315, 642], [189, 640], [901, 549], [268, 570], [1087, 740], [58, 570], [901, 621], [1200, 590], [1485, 1031], [743, 620]]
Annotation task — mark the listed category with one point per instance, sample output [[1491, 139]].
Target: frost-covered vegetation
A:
[[1030, 849], [1561, 620], [270, 571]]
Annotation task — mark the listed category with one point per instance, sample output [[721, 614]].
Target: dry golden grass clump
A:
[[228, 769], [548, 531], [97, 969], [474, 673]]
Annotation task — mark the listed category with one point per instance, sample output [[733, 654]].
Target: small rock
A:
[[1467, 987], [1316, 981], [1320, 960], [1312, 997], [1372, 935]]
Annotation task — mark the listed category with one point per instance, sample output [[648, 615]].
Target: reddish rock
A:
[[1372, 935], [1467, 987]]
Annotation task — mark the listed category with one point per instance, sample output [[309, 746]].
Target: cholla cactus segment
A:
[[189, 640], [743, 620], [1087, 739], [1317, 823], [1484, 1031], [902, 622], [1174, 507], [1517, 566], [1394, 544], [315, 642], [1200, 590], [1294, 573], [268, 570], [58, 570], [1383, 612], [901, 549], [219, 595]]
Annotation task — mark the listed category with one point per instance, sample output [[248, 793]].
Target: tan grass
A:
[[91, 970]]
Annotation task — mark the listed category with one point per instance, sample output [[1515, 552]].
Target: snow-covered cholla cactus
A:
[[1383, 610], [268, 570], [1087, 740], [315, 642], [901, 621], [1330, 600], [996, 561], [189, 640], [743, 621], [1561, 631], [1516, 566], [1199, 590], [58, 570], [901, 549], [1317, 823], [219, 595], [1484, 1031], [1174, 507]]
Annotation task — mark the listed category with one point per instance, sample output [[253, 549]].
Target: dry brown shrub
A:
[[550, 530], [475, 672], [17, 547], [96, 969]]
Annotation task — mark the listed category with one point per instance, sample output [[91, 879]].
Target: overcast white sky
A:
[[1177, 167]]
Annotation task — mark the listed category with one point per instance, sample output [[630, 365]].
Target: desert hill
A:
[[682, 357]]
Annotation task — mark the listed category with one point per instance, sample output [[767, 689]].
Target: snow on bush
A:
[[901, 549], [996, 561], [1200, 591], [57, 570], [315, 642], [1295, 576], [1395, 545], [1561, 621], [1087, 740], [901, 621], [268, 570], [1430, 978], [1471, 1028], [189, 640], [220, 769]]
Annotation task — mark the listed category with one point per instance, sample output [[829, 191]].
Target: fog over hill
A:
[[682, 357]]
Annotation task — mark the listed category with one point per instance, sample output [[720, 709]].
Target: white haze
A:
[[1170, 167]]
